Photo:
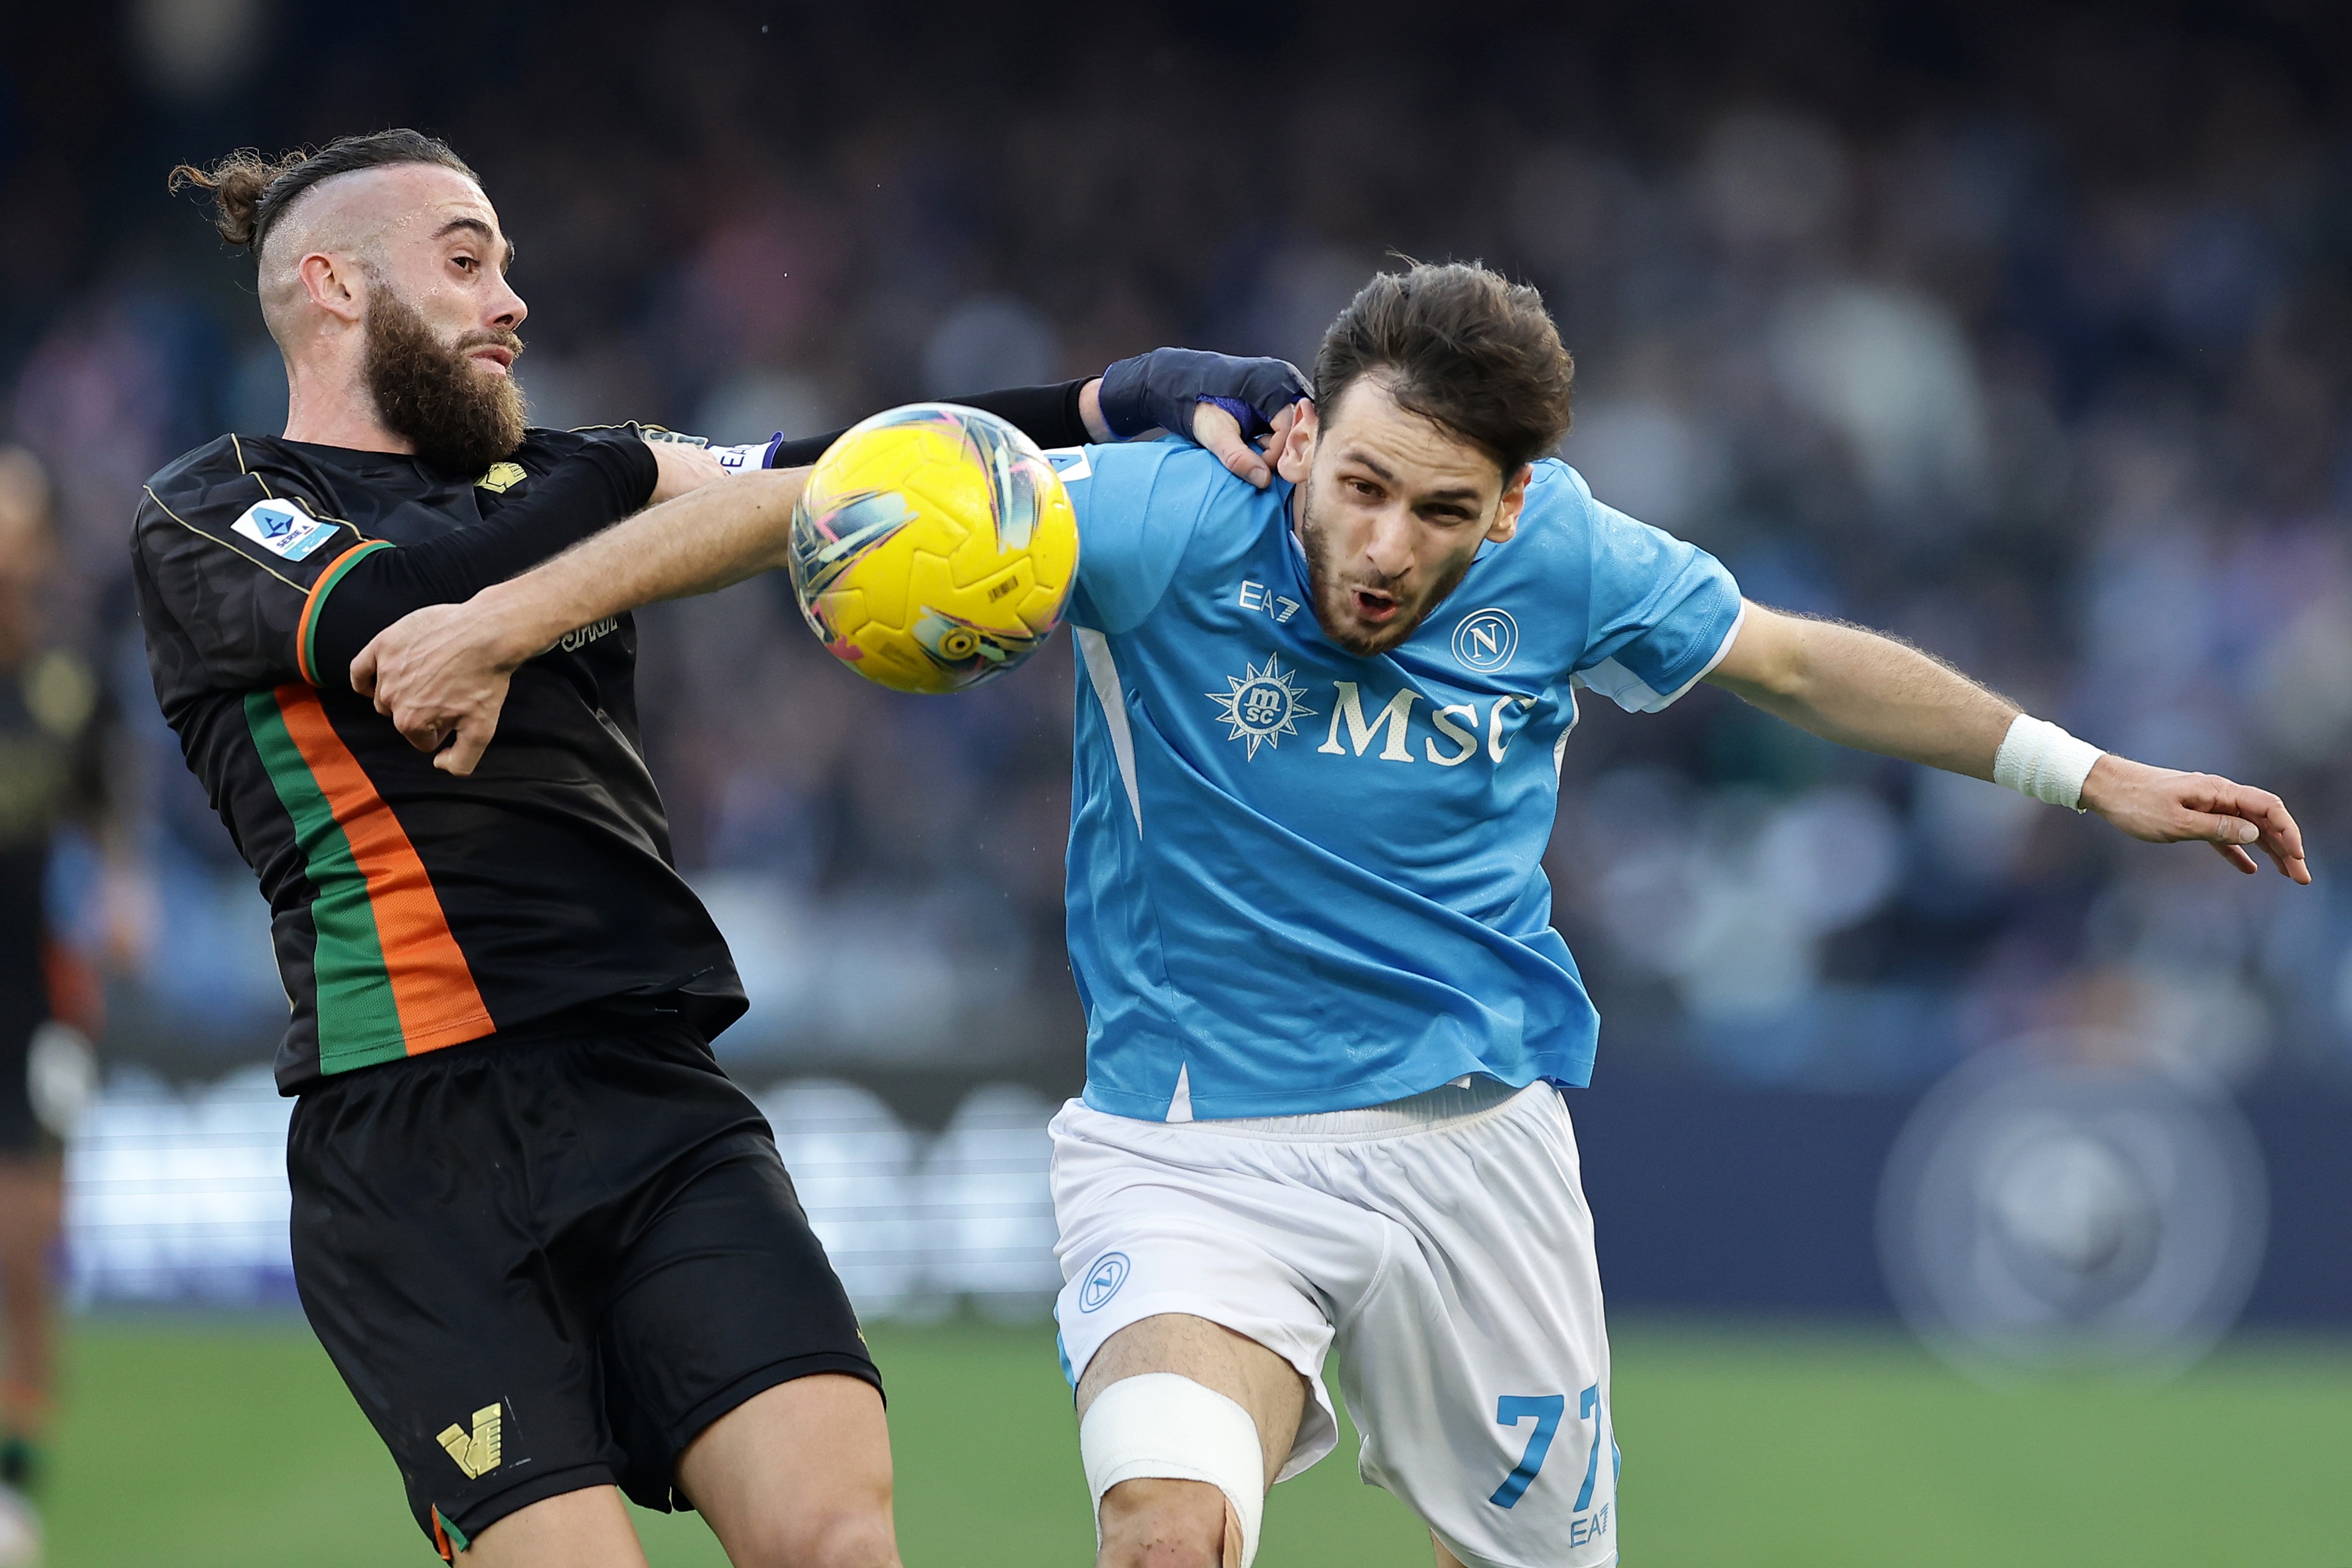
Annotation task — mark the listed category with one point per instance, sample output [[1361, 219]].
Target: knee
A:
[[1163, 1524], [865, 1540], [835, 1538]]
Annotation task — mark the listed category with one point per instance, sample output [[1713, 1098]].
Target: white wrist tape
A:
[[740, 459], [748, 458], [1160, 1426], [2038, 759]]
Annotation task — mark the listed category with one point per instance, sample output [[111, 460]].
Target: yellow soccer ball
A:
[[934, 548]]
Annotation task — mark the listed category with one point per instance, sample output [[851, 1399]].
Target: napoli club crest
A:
[[1485, 640], [1103, 1280], [1263, 705]]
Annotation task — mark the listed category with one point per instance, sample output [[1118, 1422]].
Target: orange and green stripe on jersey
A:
[[390, 977], [306, 655]]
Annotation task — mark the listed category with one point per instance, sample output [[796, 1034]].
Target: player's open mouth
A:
[[1374, 605], [492, 357]]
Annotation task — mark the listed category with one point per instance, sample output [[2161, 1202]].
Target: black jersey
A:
[[412, 908]]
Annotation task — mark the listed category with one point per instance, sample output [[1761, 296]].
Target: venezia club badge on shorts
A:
[[1103, 1280]]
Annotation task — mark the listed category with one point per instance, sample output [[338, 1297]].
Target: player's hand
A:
[[2162, 806], [1221, 433], [440, 675], [1164, 389]]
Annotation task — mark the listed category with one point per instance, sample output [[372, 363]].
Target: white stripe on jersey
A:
[[1104, 673]]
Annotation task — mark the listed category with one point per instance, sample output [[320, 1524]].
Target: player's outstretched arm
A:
[[1225, 403], [441, 673], [1860, 688]]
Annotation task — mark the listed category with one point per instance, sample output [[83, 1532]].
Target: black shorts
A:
[[21, 1132], [545, 1265]]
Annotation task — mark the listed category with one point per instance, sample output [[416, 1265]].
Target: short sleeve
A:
[[236, 560], [1138, 510], [1661, 611]]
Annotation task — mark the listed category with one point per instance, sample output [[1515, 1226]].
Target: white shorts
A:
[[1442, 1242]]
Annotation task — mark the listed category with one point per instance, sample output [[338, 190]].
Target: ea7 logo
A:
[[1258, 596]]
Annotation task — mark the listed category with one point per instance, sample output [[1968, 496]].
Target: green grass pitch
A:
[[190, 1443]]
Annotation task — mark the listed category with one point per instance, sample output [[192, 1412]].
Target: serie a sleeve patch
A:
[[283, 527]]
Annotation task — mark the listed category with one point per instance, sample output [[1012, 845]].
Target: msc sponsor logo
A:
[[1262, 706], [1458, 727], [1103, 1280], [283, 528], [1485, 640]]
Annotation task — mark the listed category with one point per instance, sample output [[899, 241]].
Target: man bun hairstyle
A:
[[1459, 345], [250, 190]]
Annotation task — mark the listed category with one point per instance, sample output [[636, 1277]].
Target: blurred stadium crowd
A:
[[2023, 333]]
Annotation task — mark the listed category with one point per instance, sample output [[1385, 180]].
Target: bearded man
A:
[[549, 1246]]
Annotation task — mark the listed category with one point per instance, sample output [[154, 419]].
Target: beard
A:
[[458, 418], [1334, 594]]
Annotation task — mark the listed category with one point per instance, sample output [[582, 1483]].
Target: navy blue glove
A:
[[1166, 386]]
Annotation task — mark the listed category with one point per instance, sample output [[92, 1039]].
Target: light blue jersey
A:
[[1300, 881]]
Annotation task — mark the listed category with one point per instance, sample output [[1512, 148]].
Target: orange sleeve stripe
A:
[[305, 629], [432, 985]]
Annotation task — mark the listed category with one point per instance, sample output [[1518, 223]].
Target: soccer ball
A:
[[934, 548]]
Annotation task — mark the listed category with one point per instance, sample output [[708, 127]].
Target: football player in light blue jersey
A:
[[1320, 730], [1318, 736], [1365, 824]]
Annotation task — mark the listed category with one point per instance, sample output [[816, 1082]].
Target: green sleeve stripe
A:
[[306, 652], [359, 1021]]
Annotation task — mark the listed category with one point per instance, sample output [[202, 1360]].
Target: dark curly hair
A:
[[250, 190], [1460, 345]]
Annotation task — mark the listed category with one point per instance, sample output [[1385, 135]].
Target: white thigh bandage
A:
[[2038, 759], [1161, 1427]]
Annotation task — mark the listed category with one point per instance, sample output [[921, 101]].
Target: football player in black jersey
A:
[[53, 729], [549, 1246]]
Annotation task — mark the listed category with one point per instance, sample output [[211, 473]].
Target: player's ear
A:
[[333, 284], [1297, 454], [1515, 496]]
